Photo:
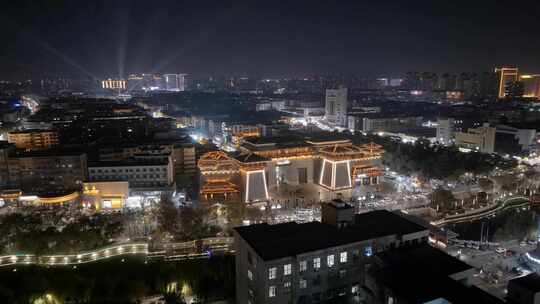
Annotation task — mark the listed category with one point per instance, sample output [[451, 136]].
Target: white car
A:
[[500, 250], [523, 244]]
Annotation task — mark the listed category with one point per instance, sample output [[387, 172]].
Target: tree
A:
[[173, 298], [168, 216], [236, 212], [442, 198]]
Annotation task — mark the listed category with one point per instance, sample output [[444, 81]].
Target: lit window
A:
[[343, 257], [317, 263], [303, 283], [287, 269], [272, 273], [287, 286], [368, 251], [272, 291], [303, 266], [250, 275], [330, 260]]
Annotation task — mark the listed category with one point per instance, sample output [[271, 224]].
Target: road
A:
[[168, 252], [494, 269]]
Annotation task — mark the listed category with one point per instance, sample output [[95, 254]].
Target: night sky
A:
[[265, 38]]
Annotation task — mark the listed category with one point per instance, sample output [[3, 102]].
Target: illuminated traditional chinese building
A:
[[265, 165]]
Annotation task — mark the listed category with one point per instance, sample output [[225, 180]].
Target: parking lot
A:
[[495, 269]]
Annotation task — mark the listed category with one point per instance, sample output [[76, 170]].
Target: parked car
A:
[[500, 250]]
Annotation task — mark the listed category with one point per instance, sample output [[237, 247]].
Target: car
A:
[[523, 244], [531, 242], [500, 250]]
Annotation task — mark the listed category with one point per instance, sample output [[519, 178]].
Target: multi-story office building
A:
[[316, 262], [377, 122], [34, 139], [41, 171], [506, 77], [141, 174], [480, 139], [336, 106], [445, 130], [175, 82], [182, 153]]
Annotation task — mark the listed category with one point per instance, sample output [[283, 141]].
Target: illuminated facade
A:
[[105, 195], [33, 139], [263, 168], [175, 82], [531, 85], [506, 77], [113, 84]]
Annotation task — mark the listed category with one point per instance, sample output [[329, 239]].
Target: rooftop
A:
[[530, 282], [128, 163], [290, 239], [432, 269]]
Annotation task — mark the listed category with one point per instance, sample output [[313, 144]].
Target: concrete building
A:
[[480, 139], [422, 274], [336, 106], [376, 122], [316, 262], [141, 174], [524, 290], [445, 130], [34, 139], [513, 140], [47, 170], [182, 153]]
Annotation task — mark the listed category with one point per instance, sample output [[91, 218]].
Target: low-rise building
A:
[[141, 174], [45, 170], [34, 139], [316, 262], [480, 139], [376, 122], [524, 290]]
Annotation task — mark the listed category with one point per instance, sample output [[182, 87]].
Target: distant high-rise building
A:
[[396, 82], [445, 130], [506, 76], [175, 82], [428, 81], [336, 106], [447, 82], [531, 85]]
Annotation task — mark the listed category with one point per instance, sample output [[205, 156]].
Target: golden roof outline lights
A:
[[333, 166], [217, 161], [219, 186], [504, 73], [248, 183], [352, 152]]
